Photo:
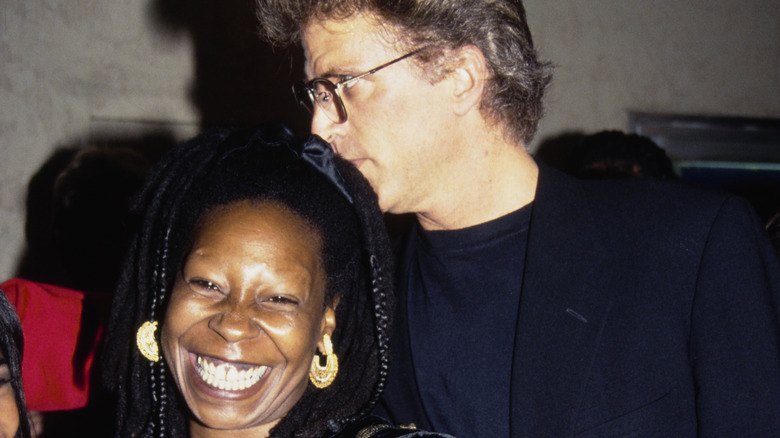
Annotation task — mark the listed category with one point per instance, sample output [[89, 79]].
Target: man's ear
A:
[[328, 322], [468, 77]]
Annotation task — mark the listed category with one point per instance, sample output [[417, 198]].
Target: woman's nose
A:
[[235, 324]]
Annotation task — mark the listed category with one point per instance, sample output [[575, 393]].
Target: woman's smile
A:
[[228, 376], [245, 316]]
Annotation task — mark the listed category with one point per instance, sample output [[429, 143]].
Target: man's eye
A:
[[324, 97], [347, 82]]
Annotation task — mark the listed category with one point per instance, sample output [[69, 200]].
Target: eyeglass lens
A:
[[321, 93]]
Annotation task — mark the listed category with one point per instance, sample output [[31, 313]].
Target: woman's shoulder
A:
[[376, 427]]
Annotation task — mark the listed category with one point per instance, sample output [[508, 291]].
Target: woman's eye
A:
[[283, 300], [201, 284]]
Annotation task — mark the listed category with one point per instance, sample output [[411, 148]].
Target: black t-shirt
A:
[[464, 292]]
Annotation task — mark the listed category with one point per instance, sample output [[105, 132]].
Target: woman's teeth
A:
[[227, 376]]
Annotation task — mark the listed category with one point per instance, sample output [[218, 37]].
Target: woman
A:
[[262, 261], [13, 416]]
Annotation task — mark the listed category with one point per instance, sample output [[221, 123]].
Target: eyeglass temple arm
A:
[[376, 69]]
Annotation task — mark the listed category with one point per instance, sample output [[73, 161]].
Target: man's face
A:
[[398, 122]]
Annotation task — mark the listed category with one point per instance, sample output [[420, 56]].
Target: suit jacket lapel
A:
[[562, 309]]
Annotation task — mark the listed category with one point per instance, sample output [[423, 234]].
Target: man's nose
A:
[[322, 125]]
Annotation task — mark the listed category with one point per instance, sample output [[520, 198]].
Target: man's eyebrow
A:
[[334, 73], [347, 68]]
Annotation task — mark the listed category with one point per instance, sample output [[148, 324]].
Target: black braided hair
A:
[[264, 164], [12, 345]]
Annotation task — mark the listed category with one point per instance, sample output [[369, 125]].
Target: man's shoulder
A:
[[645, 215], [640, 200]]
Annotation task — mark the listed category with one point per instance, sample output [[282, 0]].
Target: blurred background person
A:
[[615, 154], [78, 229], [13, 412]]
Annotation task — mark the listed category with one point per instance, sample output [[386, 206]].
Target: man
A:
[[530, 303]]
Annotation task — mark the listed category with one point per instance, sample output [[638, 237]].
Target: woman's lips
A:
[[228, 376]]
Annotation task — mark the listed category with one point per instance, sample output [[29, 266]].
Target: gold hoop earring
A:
[[323, 376], [144, 338]]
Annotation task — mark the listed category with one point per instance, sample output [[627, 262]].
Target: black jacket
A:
[[647, 309]]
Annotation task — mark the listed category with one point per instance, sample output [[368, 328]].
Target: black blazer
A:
[[648, 309]]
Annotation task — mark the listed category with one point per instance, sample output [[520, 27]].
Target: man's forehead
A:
[[328, 42], [338, 44]]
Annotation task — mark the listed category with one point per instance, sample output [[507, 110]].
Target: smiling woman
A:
[[264, 263], [245, 316]]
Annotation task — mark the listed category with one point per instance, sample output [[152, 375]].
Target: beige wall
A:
[[700, 57], [70, 70], [75, 71]]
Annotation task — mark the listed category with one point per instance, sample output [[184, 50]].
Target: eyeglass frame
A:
[[310, 89]]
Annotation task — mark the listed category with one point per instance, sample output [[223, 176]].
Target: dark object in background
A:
[[78, 216], [614, 154]]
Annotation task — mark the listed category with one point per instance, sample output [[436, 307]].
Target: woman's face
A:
[[9, 412], [245, 317]]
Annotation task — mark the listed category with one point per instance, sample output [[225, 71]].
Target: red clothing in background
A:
[[62, 328]]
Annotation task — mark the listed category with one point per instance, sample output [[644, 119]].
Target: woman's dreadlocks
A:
[[266, 163]]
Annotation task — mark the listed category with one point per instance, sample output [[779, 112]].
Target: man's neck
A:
[[497, 178]]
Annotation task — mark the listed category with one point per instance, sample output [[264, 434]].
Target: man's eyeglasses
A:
[[325, 94]]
